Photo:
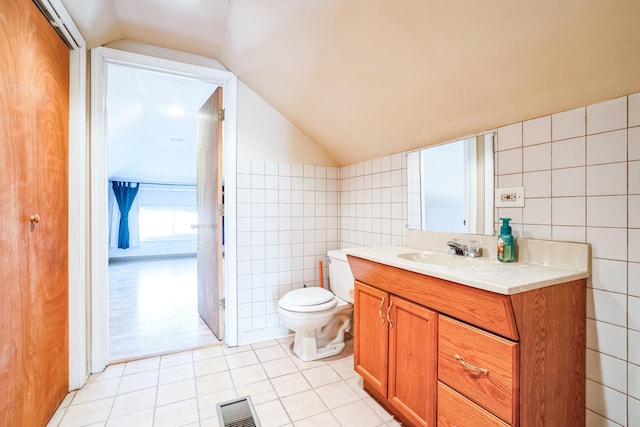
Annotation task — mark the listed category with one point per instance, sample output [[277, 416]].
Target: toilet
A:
[[318, 316]]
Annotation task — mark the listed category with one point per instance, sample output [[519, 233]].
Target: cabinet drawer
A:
[[455, 410], [479, 365]]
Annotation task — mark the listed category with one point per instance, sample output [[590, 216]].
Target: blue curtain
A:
[[125, 193]]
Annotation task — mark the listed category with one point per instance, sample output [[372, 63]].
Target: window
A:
[[167, 223]]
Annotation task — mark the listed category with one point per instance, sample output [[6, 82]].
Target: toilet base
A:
[[311, 345]]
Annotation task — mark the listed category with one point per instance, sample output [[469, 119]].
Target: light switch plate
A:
[[512, 197]]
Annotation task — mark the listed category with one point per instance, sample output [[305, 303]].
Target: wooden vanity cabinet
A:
[[440, 353], [397, 351]]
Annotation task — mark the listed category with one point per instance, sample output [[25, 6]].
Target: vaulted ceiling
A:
[[364, 78]]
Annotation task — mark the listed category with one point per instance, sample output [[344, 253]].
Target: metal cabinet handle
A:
[[469, 366], [380, 311], [35, 219], [389, 318]]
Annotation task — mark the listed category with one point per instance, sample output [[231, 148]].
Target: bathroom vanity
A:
[[450, 341]]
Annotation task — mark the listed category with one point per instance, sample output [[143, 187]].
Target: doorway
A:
[[102, 59], [152, 118]]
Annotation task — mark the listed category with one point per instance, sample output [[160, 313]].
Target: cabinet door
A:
[[413, 353], [371, 337]]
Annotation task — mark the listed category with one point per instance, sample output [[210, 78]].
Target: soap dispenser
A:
[[506, 242]]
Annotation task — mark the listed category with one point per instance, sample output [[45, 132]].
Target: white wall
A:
[[373, 202], [264, 134], [581, 173], [287, 221]]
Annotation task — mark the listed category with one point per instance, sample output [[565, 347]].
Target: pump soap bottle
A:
[[506, 242]]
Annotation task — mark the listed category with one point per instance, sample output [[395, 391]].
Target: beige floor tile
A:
[[238, 360], [344, 367], [325, 419], [287, 385], [302, 365], [248, 375], [97, 390], [177, 391], [176, 373], [234, 350], [139, 381], [356, 414], [322, 375], [272, 414], [176, 359], [263, 344], [257, 387], [377, 408], [279, 367], [212, 383], [111, 371], [87, 413], [272, 352], [142, 365], [210, 366], [134, 402], [136, 419], [177, 414], [208, 352], [303, 405], [356, 385], [210, 422], [337, 394]]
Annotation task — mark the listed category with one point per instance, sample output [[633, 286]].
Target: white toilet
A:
[[319, 317]]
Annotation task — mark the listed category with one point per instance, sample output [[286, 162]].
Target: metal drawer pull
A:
[[380, 310], [389, 318], [468, 366]]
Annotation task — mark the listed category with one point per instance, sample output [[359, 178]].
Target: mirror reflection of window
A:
[[445, 187], [450, 186]]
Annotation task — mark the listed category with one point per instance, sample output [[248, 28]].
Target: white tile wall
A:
[[594, 197], [287, 221], [373, 209]]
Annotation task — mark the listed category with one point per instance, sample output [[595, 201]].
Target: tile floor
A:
[[183, 389]]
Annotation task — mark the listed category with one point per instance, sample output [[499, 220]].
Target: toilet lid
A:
[[308, 299]]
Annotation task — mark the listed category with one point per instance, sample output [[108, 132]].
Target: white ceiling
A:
[[364, 78], [151, 125]]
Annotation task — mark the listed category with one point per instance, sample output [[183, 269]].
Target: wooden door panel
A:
[[371, 337], [209, 197], [413, 350], [34, 273]]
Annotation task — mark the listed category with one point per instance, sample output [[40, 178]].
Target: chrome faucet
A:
[[456, 248], [472, 250]]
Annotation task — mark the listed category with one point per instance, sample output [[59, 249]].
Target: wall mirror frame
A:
[[450, 186]]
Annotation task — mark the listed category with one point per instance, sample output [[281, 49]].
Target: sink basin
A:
[[427, 257]]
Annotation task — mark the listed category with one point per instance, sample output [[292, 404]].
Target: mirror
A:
[[450, 186]]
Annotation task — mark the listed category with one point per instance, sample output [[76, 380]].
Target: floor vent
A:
[[237, 413]]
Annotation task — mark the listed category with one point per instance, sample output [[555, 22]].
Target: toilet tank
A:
[[340, 276]]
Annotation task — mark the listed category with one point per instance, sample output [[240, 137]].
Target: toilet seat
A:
[[308, 300]]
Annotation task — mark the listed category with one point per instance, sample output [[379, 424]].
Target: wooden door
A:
[[34, 91], [371, 336], [413, 353], [209, 197]]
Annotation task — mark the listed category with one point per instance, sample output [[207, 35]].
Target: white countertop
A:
[[488, 273]]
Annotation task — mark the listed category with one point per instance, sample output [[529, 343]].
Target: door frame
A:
[[188, 66]]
